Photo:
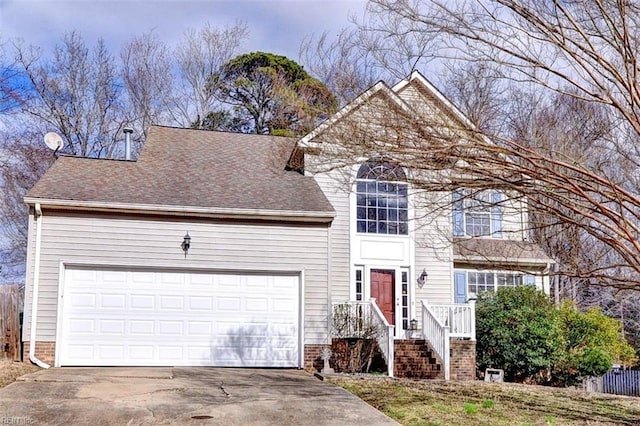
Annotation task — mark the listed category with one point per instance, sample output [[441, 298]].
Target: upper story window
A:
[[477, 214], [381, 191]]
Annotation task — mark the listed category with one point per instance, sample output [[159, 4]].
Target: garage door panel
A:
[[257, 304], [115, 277], [200, 303], [199, 328], [142, 301], [160, 318], [228, 304], [114, 326], [141, 352], [82, 301], [112, 301]]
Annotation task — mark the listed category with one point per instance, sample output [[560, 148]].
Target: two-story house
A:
[[229, 249]]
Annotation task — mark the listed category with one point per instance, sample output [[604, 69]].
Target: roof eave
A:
[[534, 261], [210, 212]]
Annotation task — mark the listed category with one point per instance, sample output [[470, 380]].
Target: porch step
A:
[[414, 358]]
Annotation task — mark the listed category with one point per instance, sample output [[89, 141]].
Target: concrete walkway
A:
[[185, 395]]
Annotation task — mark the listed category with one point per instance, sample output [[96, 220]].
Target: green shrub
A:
[[521, 332], [517, 331], [592, 343]]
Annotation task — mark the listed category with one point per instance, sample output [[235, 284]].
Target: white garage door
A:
[[115, 317]]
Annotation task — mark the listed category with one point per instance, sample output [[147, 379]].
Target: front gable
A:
[[403, 120]]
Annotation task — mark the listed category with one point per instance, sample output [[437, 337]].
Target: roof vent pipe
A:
[[127, 142]]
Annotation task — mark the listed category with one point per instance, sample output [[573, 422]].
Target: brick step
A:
[[415, 355], [420, 356], [416, 359]]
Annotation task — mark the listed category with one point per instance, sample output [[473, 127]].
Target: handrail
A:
[[438, 336], [355, 322], [386, 340], [461, 318]]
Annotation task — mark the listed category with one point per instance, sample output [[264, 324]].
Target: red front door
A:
[[383, 289]]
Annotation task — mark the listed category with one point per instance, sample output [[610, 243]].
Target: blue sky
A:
[[276, 26]]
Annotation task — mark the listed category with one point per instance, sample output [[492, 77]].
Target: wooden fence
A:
[[621, 382], [11, 297]]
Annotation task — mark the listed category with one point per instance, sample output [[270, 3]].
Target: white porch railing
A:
[[442, 322], [364, 320], [438, 336], [461, 318]]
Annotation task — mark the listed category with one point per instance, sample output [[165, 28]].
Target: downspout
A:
[[34, 297]]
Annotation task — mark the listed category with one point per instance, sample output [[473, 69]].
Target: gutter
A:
[[34, 297], [209, 212]]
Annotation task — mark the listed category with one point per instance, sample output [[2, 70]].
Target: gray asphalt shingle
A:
[[498, 250], [190, 168]]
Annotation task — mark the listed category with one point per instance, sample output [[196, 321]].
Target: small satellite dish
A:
[[53, 141]]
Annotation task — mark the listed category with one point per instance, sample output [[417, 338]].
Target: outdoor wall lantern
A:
[[413, 324], [186, 244], [422, 279]]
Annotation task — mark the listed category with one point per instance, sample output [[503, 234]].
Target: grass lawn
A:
[[10, 371], [477, 403]]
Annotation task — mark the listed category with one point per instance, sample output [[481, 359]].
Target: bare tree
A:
[[476, 90], [382, 46], [12, 90], [76, 94], [23, 159], [148, 80], [343, 64], [585, 51], [200, 55]]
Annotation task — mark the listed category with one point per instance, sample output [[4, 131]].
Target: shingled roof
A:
[[190, 171], [482, 250]]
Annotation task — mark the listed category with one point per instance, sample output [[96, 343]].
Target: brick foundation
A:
[[463, 360], [45, 351], [312, 361]]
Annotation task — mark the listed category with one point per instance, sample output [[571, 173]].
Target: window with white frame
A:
[[476, 282], [359, 283], [477, 213], [382, 201], [405, 299], [508, 280]]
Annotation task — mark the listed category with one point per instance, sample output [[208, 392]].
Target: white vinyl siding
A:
[[433, 251], [339, 251], [126, 240]]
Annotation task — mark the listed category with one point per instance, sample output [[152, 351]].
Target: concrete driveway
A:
[[184, 395]]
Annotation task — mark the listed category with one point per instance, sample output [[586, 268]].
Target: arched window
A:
[[381, 190]]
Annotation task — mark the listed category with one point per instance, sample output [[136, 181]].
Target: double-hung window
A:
[[382, 203], [477, 213], [470, 283]]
